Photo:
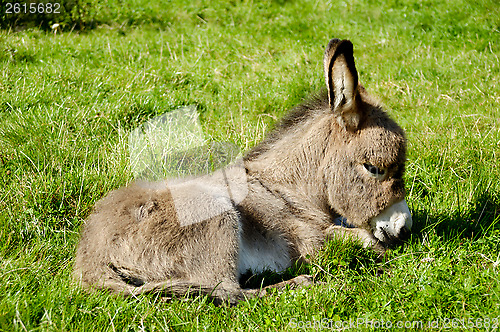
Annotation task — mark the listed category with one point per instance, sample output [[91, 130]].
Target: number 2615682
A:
[[32, 8]]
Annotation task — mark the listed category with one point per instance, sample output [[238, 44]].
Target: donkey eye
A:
[[375, 171]]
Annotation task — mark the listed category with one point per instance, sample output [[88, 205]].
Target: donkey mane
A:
[[315, 105]]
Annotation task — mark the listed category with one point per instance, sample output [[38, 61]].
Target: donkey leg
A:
[[177, 288], [297, 282], [357, 234]]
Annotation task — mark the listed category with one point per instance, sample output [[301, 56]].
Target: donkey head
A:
[[365, 178]]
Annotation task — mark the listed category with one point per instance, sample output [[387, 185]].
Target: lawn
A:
[[70, 97]]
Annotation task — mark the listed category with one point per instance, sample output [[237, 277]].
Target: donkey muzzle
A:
[[393, 225]]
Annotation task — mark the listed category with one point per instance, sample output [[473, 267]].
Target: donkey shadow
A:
[[479, 218]]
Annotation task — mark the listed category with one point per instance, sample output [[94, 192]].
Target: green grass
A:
[[69, 100]]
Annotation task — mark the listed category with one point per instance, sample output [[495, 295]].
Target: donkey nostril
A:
[[404, 234]]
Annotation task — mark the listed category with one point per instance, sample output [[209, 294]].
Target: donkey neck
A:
[[292, 159]]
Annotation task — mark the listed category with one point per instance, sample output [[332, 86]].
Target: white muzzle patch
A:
[[393, 224]]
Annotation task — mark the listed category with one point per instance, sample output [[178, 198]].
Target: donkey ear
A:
[[342, 83]]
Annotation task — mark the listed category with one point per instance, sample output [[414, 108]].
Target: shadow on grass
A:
[[470, 222]]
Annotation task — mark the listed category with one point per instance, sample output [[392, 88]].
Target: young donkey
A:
[[338, 155]]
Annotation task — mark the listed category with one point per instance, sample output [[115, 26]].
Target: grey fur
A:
[[305, 174]]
